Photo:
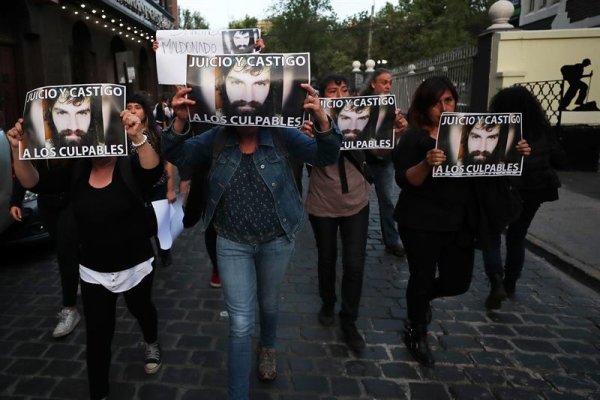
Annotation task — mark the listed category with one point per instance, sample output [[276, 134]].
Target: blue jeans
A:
[[383, 179], [250, 272]]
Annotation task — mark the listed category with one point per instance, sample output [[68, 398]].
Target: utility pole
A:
[[371, 31]]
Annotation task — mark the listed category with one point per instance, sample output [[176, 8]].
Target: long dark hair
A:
[[518, 99], [144, 101], [426, 96]]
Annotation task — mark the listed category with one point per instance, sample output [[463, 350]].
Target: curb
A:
[[582, 272]]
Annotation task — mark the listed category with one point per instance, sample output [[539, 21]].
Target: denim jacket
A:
[[181, 149]]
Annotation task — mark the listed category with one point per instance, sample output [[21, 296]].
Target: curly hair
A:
[[517, 99]]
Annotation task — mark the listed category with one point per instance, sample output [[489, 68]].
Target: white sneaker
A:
[[67, 321]]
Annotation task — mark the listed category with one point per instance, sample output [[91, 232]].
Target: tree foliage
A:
[[191, 20], [403, 31], [246, 22]]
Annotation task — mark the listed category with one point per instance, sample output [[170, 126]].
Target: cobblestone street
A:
[[545, 344]]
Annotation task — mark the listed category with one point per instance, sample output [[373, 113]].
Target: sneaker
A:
[[152, 358], [267, 364], [67, 321], [326, 317], [352, 337], [215, 281]]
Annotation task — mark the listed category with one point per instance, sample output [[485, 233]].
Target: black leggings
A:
[[61, 226], [426, 252], [99, 307]]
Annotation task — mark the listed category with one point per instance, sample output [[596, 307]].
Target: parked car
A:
[[31, 228]]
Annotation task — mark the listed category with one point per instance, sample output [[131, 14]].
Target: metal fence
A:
[[549, 94], [456, 64]]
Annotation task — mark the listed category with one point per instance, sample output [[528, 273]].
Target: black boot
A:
[[497, 292], [415, 339], [326, 317]]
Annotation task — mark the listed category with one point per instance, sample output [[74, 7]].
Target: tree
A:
[[246, 22], [304, 26], [191, 20]]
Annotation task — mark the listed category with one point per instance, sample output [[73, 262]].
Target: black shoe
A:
[[165, 257], [497, 293], [415, 339], [326, 317], [352, 337], [398, 250]]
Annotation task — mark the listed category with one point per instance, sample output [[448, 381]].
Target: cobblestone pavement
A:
[[545, 344]]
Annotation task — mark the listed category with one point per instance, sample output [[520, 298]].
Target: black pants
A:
[[60, 223], [353, 231], [99, 307], [428, 252]]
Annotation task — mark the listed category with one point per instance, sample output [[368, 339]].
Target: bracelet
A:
[[140, 144]]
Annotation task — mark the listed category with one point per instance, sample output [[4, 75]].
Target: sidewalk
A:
[[569, 229]]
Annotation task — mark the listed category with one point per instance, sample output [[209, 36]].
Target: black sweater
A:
[[438, 204]]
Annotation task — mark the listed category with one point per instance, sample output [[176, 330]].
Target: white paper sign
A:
[[175, 45], [170, 221]]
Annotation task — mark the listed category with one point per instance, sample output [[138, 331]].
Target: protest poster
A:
[[73, 121], [479, 145], [366, 122], [248, 89], [175, 45]]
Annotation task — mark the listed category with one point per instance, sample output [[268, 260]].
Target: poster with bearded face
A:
[[479, 145], [73, 121], [366, 122], [248, 90]]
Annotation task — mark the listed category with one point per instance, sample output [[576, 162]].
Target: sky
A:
[[218, 13]]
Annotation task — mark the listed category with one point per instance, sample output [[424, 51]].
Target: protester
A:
[[382, 168], [164, 188], [192, 185], [58, 219], [438, 217], [537, 184], [431, 215], [115, 252], [338, 199], [257, 212]]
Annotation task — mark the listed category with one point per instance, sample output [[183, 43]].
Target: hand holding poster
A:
[[366, 122], [479, 144], [248, 89], [73, 121], [175, 45]]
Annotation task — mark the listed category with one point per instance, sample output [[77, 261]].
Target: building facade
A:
[[556, 14], [59, 42]]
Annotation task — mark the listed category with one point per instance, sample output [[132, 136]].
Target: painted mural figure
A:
[[574, 74]]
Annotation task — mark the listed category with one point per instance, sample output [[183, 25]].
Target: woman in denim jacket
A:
[[257, 212]]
